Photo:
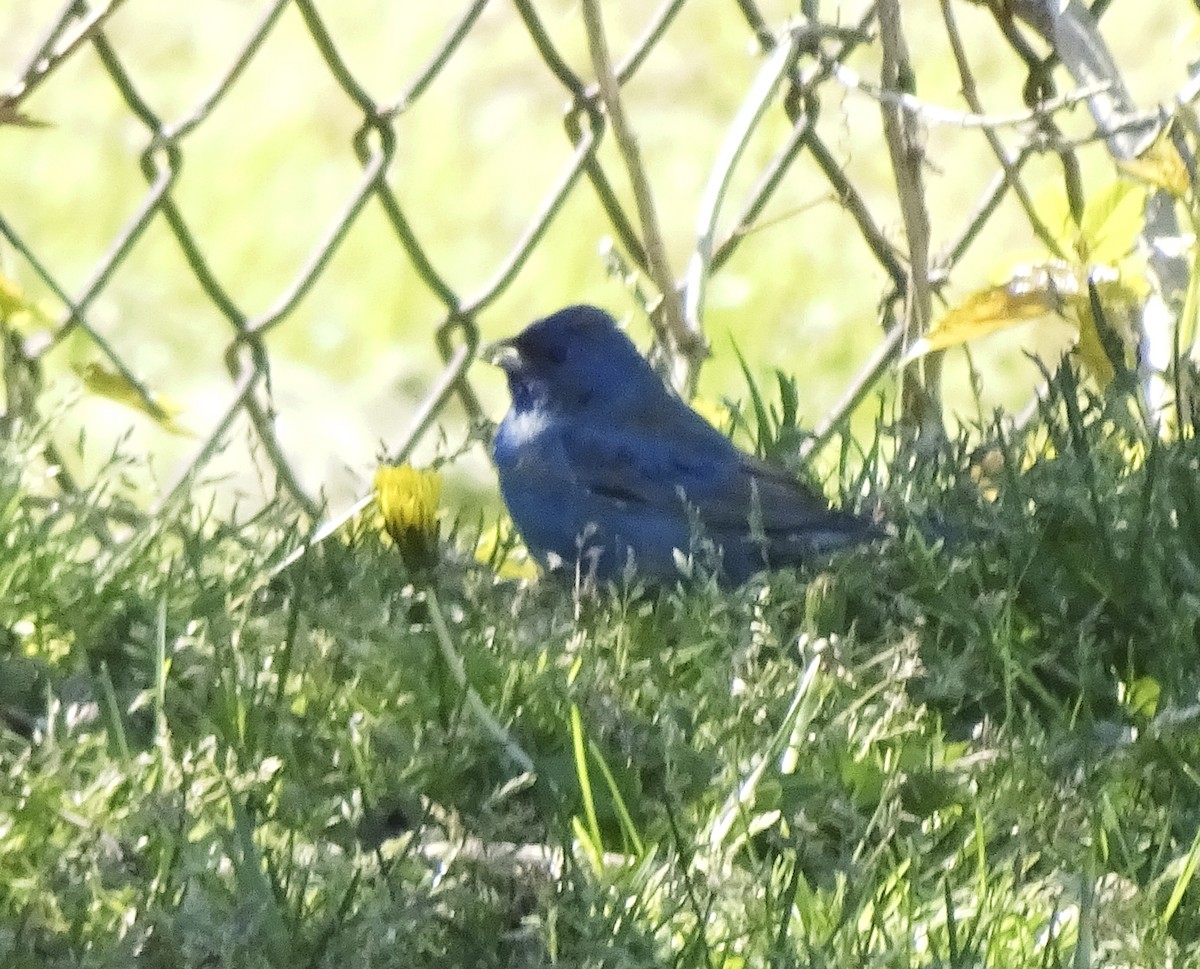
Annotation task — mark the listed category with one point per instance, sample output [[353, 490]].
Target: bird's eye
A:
[[543, 352]]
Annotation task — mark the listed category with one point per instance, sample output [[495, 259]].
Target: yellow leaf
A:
[[1116, 347], [14, 303], [1161, 166], [986, 468], [117, 388], [1052, 288], [1090, 350], [1031, 292], [12, 300]]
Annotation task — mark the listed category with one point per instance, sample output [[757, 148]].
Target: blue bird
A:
[[602, 466]]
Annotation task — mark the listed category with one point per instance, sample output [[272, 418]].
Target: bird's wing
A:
[[632, 470], [660, 463], [784, 503]]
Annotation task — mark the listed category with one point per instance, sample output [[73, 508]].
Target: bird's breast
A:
[[519, 435]]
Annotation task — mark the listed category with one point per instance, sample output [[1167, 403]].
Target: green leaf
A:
[[1112, 221]]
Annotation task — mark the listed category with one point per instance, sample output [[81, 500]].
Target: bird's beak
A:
[[502, 354]]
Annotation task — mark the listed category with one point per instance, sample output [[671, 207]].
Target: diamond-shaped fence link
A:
[[802, 60]]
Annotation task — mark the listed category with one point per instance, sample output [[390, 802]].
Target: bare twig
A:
[[753, 108], [853, 202], [937, 114], [872, 371], [1072, 33], [458, 670], [920, 402], [688, 344], [510, 857], [51, 53], [971, 96]]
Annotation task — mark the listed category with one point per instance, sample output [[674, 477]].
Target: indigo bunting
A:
[[601, 465]]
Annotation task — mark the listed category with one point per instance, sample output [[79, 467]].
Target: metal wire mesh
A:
[[801, 60]]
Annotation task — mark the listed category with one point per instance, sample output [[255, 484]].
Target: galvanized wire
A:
[[800, 64]]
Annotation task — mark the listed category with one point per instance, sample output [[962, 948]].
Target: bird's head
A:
[[570, 360]]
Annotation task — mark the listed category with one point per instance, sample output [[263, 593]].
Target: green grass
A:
[[978, 752], [974, 754]]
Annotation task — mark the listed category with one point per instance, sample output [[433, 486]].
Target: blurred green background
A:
[[272, 168]]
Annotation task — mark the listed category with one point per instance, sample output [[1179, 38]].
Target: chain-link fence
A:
[[821, 84]]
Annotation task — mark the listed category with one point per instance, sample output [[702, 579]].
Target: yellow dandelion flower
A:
[[408, 503]]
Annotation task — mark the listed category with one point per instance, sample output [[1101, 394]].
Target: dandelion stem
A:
[[459, 671]]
